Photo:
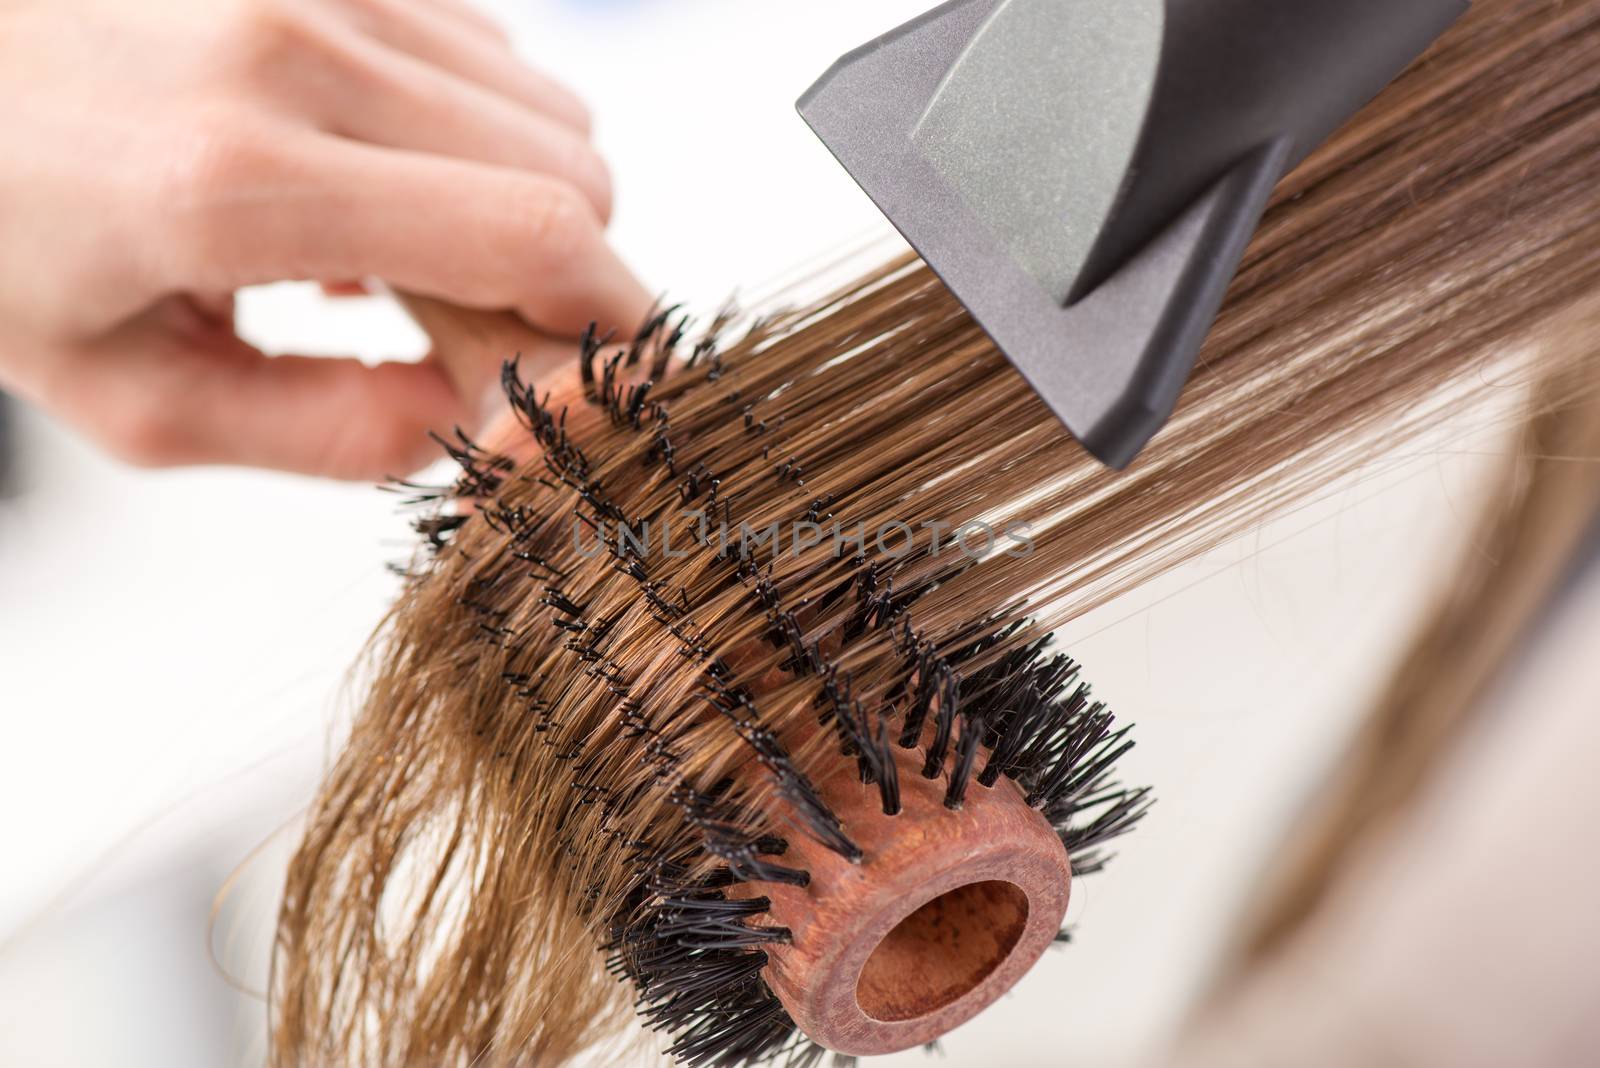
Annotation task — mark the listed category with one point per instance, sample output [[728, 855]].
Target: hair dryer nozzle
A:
[[1085, 175]]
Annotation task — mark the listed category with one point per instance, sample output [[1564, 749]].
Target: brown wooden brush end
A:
[[946, 912]]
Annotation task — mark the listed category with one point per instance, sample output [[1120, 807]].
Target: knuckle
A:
[[212, 157], [551, 222], [582, 117], [367, 18], [573, 111], [220, 161], [143, 435], [595, 178], [370, 15], [261, 33], [284, 52]]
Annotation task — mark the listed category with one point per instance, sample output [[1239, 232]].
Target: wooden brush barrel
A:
[[946, 910]]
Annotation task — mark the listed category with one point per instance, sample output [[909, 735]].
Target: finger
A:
[[335, 418], [216, 307], [389, 98], [159, 398], [468, 17], [474, 234], [437, 34]]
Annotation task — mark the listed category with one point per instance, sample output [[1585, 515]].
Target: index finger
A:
[[476, 234]]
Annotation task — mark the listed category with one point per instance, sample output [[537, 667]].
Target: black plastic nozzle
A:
[[1085, 174]]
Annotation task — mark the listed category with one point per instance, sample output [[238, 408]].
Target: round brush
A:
[[862, 874]]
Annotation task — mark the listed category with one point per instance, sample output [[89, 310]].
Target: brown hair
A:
[[550, 739]]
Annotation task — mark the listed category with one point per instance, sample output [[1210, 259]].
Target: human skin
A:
[[156, 157], [489, 338]]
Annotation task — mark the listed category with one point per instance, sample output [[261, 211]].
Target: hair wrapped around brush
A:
[[581, 752], [610, 664]]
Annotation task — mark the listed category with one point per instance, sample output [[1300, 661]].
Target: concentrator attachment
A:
[[1084, 175]]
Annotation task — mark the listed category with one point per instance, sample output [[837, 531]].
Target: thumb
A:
[[158, 397]]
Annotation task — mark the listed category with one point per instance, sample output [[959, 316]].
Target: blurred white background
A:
[[175, 644]]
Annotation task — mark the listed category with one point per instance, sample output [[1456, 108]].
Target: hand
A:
[[156, 156]]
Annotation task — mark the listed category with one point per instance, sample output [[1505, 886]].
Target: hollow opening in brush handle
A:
[[946, 911]]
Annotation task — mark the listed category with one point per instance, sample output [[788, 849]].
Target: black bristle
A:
[[588, 347], [716, 922], [1082, 763], [923, 697], [947, 707], [1120, 811], [972, 731], [874, 753], [817, 818], [745, 862], [888, 771]]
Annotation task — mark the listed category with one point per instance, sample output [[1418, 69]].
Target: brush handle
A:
[[464, 332], [465, 340], [470, 337]]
